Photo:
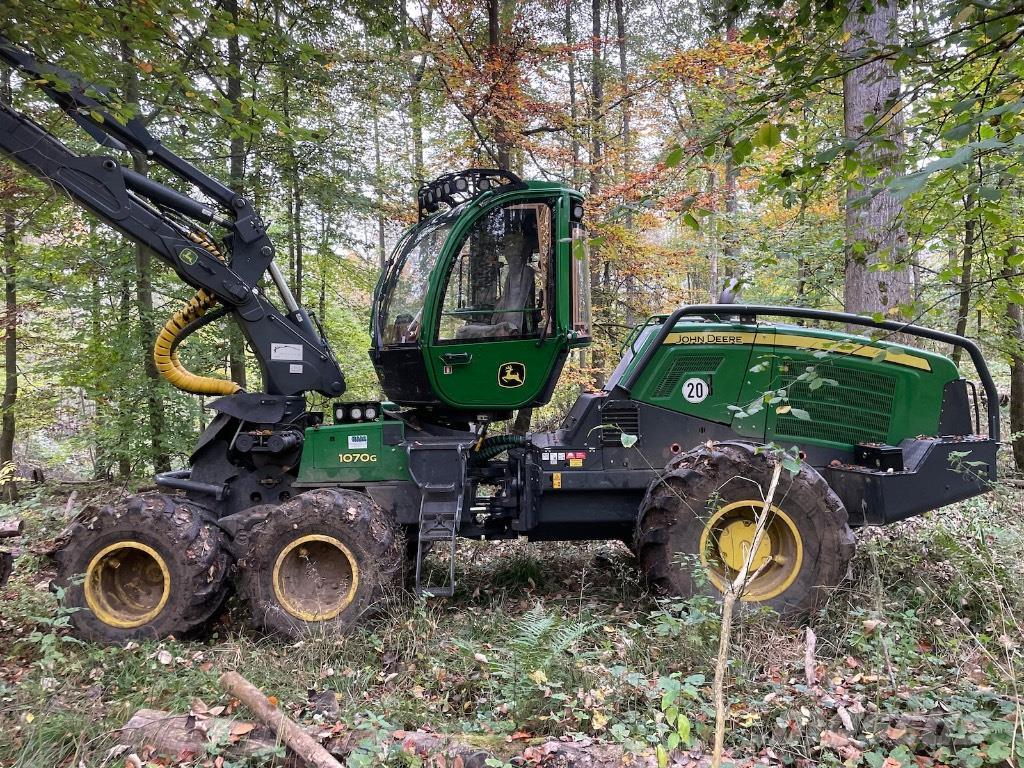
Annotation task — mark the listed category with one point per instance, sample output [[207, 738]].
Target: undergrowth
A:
[[920, 653]]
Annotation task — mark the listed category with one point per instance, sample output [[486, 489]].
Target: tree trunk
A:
[[10, 326], [236, 177], [573, 108], [416, 74], [503, 148], [378, 183], [144, 292], [596, 100], [967, 268], [1015, 316], [875, 233], [125, 423]]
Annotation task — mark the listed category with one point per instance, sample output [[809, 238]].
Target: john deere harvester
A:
[[473, 318]]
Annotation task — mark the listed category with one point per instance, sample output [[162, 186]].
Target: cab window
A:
[[501, 279]]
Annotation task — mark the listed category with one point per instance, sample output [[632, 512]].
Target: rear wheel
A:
[[698, 523], [148, 568], [316, 563]]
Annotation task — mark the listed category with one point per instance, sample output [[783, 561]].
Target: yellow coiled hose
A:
[[166, 357]]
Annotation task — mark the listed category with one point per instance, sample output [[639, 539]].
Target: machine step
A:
[[439, 469]]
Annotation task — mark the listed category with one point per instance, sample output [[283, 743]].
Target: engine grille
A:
[[857, 410], [618, 419], [685, 366]]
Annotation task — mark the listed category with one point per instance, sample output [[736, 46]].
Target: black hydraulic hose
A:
[[751, 311], [491, 447], [198, 323]]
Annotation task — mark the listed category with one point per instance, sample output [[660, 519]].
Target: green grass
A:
[[556, 639]]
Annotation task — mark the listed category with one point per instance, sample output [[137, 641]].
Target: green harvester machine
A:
[[473, 318]]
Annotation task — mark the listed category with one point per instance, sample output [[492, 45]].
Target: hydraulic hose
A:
[[184, 322], [491, 447]]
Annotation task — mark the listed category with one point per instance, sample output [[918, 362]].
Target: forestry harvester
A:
[[473, 318]]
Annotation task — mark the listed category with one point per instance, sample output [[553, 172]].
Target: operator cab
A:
[[480, 303]]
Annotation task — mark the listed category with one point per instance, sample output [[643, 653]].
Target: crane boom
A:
[[293, 354]]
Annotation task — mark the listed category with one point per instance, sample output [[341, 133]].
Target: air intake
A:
[[617, 419], [858, 409], [683, 367]]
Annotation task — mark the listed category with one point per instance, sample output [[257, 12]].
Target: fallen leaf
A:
[[870, 625], [891, 762], [895, 734], [164, 656]]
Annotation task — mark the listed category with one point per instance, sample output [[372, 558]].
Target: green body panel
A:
[[871, 393], [352, 453]]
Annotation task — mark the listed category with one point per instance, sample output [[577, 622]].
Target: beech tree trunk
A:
[[875, 232], [144, 292], [1015, 316], [966, 271], [573, 107], [10, 325], [236, 180], [502, 144]]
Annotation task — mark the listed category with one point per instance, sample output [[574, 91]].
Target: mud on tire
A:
[[148, 567], [701, 483], [316, 563]]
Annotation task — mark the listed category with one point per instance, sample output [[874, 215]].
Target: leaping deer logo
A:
[[511, 375]]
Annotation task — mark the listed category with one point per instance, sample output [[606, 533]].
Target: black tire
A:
[[109, 565], [298, 585], [694, 496]]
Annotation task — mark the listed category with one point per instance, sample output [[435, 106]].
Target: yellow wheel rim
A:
[[127, 584], [726, 541], [315, 577]]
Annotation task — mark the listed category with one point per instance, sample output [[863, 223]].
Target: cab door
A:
[[497, 340]]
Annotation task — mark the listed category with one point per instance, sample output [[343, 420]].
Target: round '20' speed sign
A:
[[695, 390]]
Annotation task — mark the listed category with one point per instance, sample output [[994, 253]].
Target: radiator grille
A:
[[685, 366], [617, 419], [857, 410]]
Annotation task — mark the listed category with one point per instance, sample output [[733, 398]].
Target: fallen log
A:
[[10, 529], [182, 735], [304, 745]]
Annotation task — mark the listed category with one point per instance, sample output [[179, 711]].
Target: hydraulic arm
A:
[[293, 353]]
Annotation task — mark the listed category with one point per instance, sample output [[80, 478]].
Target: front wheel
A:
[[316, 563], [698, 522], [150, 567]]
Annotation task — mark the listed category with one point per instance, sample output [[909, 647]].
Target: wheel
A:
[[705, 506], [317, 562], [147, 568]]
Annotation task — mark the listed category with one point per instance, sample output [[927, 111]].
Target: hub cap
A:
[[127, 584], [727, 538], [315, 577]]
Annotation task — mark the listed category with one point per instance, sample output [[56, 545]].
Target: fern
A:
[[539, 641]]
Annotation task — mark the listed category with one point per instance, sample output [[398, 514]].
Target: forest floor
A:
[[917, 662]]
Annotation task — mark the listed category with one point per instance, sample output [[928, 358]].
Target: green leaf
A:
[[628, 441], [743, 149], [768, 135], [801, 414], [674, 157], [683, 729], [691, 221]]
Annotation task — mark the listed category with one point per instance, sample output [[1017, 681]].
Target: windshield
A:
[[400, 314]]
